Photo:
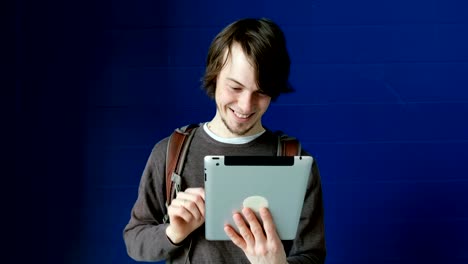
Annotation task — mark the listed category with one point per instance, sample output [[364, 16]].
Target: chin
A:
[[240, 130]]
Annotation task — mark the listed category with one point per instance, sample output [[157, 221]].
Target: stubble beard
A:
[[234, 132]]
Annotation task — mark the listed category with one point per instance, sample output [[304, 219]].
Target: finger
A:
[[196, 191], [268, 224], [180, 212], [179, 202], [192, 202], [244, 230], [191, 207], [235, 237], [255, 226], [193, 194]]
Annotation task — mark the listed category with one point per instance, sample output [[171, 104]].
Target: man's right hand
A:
[[186, 213]]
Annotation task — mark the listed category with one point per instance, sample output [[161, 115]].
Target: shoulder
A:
[[160, 148], [158, 152]]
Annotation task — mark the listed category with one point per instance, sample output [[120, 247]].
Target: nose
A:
[[246, 102]]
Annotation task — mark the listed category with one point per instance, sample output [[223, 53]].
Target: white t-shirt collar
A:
[[236, 140]]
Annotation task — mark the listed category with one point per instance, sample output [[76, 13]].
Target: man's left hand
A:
[[261, 244]]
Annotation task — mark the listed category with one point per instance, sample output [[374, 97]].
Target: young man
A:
[[247, 68]]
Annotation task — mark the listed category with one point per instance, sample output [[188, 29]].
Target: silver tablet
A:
[[234, 182]]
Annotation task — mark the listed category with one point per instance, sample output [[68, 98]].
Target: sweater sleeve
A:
[[309, 245], [145, 234]]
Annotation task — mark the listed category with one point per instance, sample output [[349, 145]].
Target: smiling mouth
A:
[[241, 116]]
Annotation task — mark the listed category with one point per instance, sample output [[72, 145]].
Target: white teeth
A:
[[240, 115]]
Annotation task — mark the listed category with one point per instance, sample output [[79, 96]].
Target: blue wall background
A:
[[381, 102]]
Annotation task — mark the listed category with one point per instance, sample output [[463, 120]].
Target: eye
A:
[[235, 88], [261, 93]]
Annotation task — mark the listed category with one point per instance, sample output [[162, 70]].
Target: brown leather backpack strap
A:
[[174, 147], [177, 147], [288, 146], [291, 147]]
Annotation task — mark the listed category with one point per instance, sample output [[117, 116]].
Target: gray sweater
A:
[[145, 236]]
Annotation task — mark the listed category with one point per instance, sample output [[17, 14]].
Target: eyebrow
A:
[[234, 80]]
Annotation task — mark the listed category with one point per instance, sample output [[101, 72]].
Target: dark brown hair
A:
[[264, 44]]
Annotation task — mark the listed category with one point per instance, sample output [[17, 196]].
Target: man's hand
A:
[[260, 244], [186, 213]]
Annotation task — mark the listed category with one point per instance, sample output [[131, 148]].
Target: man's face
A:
[[240, 104]]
